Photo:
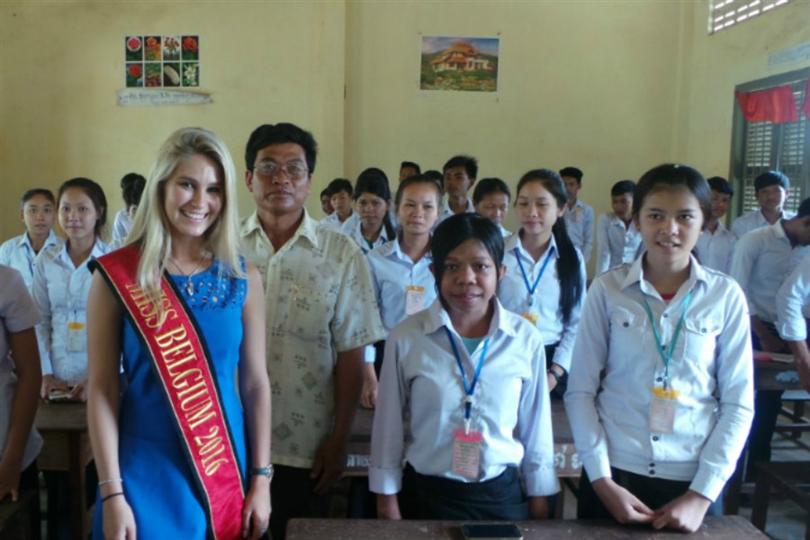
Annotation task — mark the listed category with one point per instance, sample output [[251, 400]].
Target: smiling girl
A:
[[466, 378], [660, 398]]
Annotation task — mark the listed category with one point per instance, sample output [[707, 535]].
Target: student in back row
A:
[[341, 199], [491, 198], [460, 173], [716, 243], [771, 190], [579, 216], [407, 169], [617, 238], [372, 198]]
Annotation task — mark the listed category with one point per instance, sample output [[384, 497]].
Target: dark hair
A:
[[283, 132], [412, 165], [568, 262], [771, 178], [468, 162], [374, 181], [437, 177], [670, 175], [326, 192], [129, 179], [94, 193], [721, 185], [623, 186], [804, 208], [340, 184], [133, 190], [573, 172], [31, 193], [457, 229], [417, 179], [490, 185]]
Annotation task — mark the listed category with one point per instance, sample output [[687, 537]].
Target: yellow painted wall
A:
[[61, 64]]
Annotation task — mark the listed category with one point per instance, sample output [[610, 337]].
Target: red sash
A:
[[181, 362]]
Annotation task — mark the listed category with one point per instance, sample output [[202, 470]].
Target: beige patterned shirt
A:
[[319, 302]]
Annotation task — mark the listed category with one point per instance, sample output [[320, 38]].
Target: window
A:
[[726, 13], [758, 147]]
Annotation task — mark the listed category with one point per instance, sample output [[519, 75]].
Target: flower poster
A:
[[153, 61], [459, 63]]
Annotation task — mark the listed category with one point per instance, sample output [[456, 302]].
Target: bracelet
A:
[[262, 471], [111, 495], [110, 481]]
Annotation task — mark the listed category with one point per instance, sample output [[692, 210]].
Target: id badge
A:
[[467, 453], [76, 336], [414, 299], [662, 410], [531, 316]]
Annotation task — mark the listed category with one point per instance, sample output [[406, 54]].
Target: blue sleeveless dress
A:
[[158, 481]]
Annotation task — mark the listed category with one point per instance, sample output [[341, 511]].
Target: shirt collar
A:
[[99, 249], [396, 250], [306, 229], [514, 242], [49, 241], [636, 274], [437, 317]]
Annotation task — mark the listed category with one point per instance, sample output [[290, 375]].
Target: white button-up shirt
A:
[[715, 249], [514, 295], [332, 221], [762, 260], [447, 212], [615, 243], [421, 391], [618, 364], [121, 226], [392, 271], [793, 303], [319, 302], [60, 293], [353, 229], [579, 224], [17, 314], [754, 220], [18, 254]]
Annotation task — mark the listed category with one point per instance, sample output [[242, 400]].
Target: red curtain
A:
[[806, 105], [775, 105]]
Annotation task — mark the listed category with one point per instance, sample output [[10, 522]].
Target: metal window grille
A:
[[726, 13]]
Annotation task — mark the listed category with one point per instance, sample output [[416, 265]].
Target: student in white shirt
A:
[[326, 202], [400, 270], [771, 189], [372, 198], [468, 378], [341, 200], [617, 238], [491, 198], [545, 273], [132, 185], [660, 398], [716, 243], [19, 391], [37, 214], [792, 307], [61, 285], [579, 217], [459, 174]]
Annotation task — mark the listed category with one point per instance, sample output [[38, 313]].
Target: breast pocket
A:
[[700, 339], [625, 325]]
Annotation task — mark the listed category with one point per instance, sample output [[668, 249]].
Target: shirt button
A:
[[652, 472], [666, 315], [626, 324], [655, 438], [702, 330], [659, 379], [652, 465]]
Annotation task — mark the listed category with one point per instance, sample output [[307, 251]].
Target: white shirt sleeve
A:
[[388, 429], [42, 300], [602, 246], [742, 263], [564, 353], [793, 295], [587, 233]]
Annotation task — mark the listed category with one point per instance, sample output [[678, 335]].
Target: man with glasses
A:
[[321, 312]]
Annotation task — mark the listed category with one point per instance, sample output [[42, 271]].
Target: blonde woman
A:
[[185, 451]]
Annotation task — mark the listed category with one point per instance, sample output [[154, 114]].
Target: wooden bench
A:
[[791, 478]]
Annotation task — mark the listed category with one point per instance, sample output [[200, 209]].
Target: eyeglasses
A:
[[292, 170]]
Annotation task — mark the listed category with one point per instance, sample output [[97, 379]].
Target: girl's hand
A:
[[551, 381], [9, 478], [119, 523], [684, 513], [256, 511], [388, 507], [79, 391], [51, 383], [622, 505], [368, 396]]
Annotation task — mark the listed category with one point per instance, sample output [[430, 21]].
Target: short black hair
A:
[[131, 178], [804, 208], [31, 193], [326, 192], [457, 229], [133, 190], [573, 172], [340, 184], [623, 186], [437, 177], [720, 185], [418, 179], [96, 195], [669, 175], [469, 163], [490, 185], [283, 132], [411, 165], [771, 178]]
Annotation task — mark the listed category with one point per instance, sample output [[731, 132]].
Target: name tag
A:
[[76, 336], [662, 410], [467, 453], [414, 299]]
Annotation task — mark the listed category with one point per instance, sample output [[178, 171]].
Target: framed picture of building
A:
[[468, 64]]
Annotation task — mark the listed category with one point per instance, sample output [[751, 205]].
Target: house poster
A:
[[468, 64]]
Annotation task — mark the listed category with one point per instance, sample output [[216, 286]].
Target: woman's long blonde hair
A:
[[150, 228]]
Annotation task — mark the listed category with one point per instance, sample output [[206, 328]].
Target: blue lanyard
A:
[[469, 389], [666, 356], [531, 288]]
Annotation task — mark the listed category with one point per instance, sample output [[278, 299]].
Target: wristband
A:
[[262, 471]]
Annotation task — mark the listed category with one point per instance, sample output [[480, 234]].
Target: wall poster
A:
[[467, 64]]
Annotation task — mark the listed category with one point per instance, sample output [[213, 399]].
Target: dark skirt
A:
[[432, 497]]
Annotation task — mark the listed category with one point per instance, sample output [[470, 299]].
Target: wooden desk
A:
[[718, 528], [566, 461], [66, 447]]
